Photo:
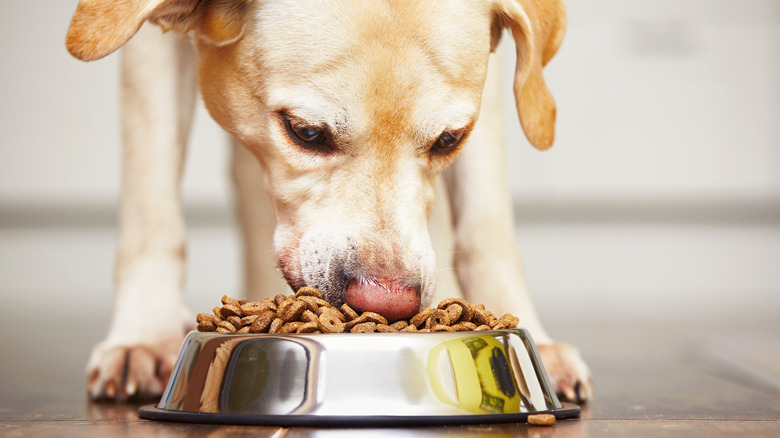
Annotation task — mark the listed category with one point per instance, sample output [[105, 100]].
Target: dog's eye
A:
[[312, 137], [309, 134], [447, 142]]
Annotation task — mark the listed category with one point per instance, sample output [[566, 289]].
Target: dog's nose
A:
[[392, 299]]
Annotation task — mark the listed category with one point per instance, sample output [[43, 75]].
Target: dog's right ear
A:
[[99, 27], [537, 27]]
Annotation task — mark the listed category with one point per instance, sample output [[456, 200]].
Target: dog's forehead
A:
[[341, 54]]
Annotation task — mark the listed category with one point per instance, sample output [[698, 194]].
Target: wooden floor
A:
[[655, 380]]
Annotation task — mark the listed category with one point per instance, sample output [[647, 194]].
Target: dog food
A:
[[541, 419], [307, 312]]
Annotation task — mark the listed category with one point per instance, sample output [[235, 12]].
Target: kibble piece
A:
[[399, 325], [206, 326], [231, 310], [349, 312], [263, 322], [442, 328], [359, 320], [313, 303], [454, 311], [364, 327], [328, 322], [293, 311], [309, 292], [420, 318], [229, 300], [249, 319], [290, 327], [236, 321], [541, 419], [443, 304], [244, 329], [332, 310], [384, 328], [308, 327], [227, 326], [256, 308], [482, 327], [480, 317], [459, 327], [438, 317], [374, 317], [411, 328], [309, 316], [275, 325], [222, 330], [506, 321], [279, 298]]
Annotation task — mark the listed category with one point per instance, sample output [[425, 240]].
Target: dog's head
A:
[[352, 108]]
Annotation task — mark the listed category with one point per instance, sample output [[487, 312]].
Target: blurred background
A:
[[659, 202]]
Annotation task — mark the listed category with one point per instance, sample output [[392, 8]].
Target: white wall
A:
[[662, 191]]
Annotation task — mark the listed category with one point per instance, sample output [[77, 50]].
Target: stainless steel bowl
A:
[[358, 379]]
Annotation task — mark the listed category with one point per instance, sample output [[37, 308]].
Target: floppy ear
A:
[[537, 27], [99, 27]]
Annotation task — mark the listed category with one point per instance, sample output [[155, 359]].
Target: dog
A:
[[352, 108]]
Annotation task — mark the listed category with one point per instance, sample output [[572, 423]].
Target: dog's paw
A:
[[131, 372], [568, 373]]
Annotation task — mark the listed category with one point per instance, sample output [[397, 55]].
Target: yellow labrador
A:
[[352, 108]]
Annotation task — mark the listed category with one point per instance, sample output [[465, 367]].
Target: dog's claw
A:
[[568, 373], [123, 372]]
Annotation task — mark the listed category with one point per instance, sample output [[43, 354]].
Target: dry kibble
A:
[[374, 317], [384, 328], [256, 308], [420, 318], [329, 323], [349, 312], [275, 324], [228, 300], [359, 320], [399, 325], [308, 292], [307, 312], [290, 327], [206, 326], [249, 319], [364, 327], [332, 310], [263, 322], [293, 311], [454, 311], [308, 327], [227, 326], [309, 316], [438, 317], [541, 419], [236, 321]]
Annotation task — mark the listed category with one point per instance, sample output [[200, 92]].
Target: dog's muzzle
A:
[[392, 299]]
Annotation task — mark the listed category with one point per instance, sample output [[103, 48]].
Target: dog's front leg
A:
[[149, 318], [487, 262], [255, 212]]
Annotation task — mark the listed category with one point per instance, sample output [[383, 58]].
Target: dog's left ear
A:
[[99, 27], [537, 27]]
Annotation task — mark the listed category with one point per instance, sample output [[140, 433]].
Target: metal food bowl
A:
[[358, 379]]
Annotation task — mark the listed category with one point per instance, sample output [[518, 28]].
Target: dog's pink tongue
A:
[[393, 301]]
